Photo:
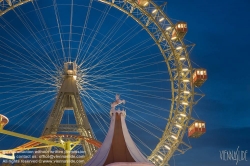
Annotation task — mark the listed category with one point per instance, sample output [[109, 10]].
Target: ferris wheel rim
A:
[[143, 10]]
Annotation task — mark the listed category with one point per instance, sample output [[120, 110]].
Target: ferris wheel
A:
[[128, 47]]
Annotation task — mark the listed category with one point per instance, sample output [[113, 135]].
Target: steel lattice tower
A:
[[68, 98]]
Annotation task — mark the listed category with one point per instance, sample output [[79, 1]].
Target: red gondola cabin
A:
[[196, 129], [199, 77], [180, 29]]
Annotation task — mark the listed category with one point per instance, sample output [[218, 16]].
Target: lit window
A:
[[205, 73], [201, 72], [196, 124]]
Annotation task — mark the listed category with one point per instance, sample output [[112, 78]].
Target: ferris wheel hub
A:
[[70, 69]]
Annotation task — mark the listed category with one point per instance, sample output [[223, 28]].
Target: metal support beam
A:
[[68, 98], [30, 138]]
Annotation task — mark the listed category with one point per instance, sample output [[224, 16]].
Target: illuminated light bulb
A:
[[167, 147], [186, 92], [174, 137], [183, 115], [160, 157], [179, 126], [173, 38], [161, 19], [104, 1], [178, 48], [182, 58], [185, 80], [168, 28], [185, 69], [184, 103], [154, 11], [145, 4]]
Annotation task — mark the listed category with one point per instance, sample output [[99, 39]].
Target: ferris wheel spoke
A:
[[45, 27], [21, 103], [109, 56], [95, 114], [110, 64], [139, 140], [28, 117], [45, 68], [108, 37], [13, 52], [140, 94], [31, 130], [117, 63], [111, 59], [147, 122], [29, 45], [125, 37], [141, 74], [126, 70], [112, 53], [122, 83], [37, 118], [133, 67], [70, 29], [26, 23], [22, 59], [124, 89], [17, 69], [93, 36], [132, 99], [138, 105], [84, 29], [125, 81], [59, 28], [143, 127], [133, 122]]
